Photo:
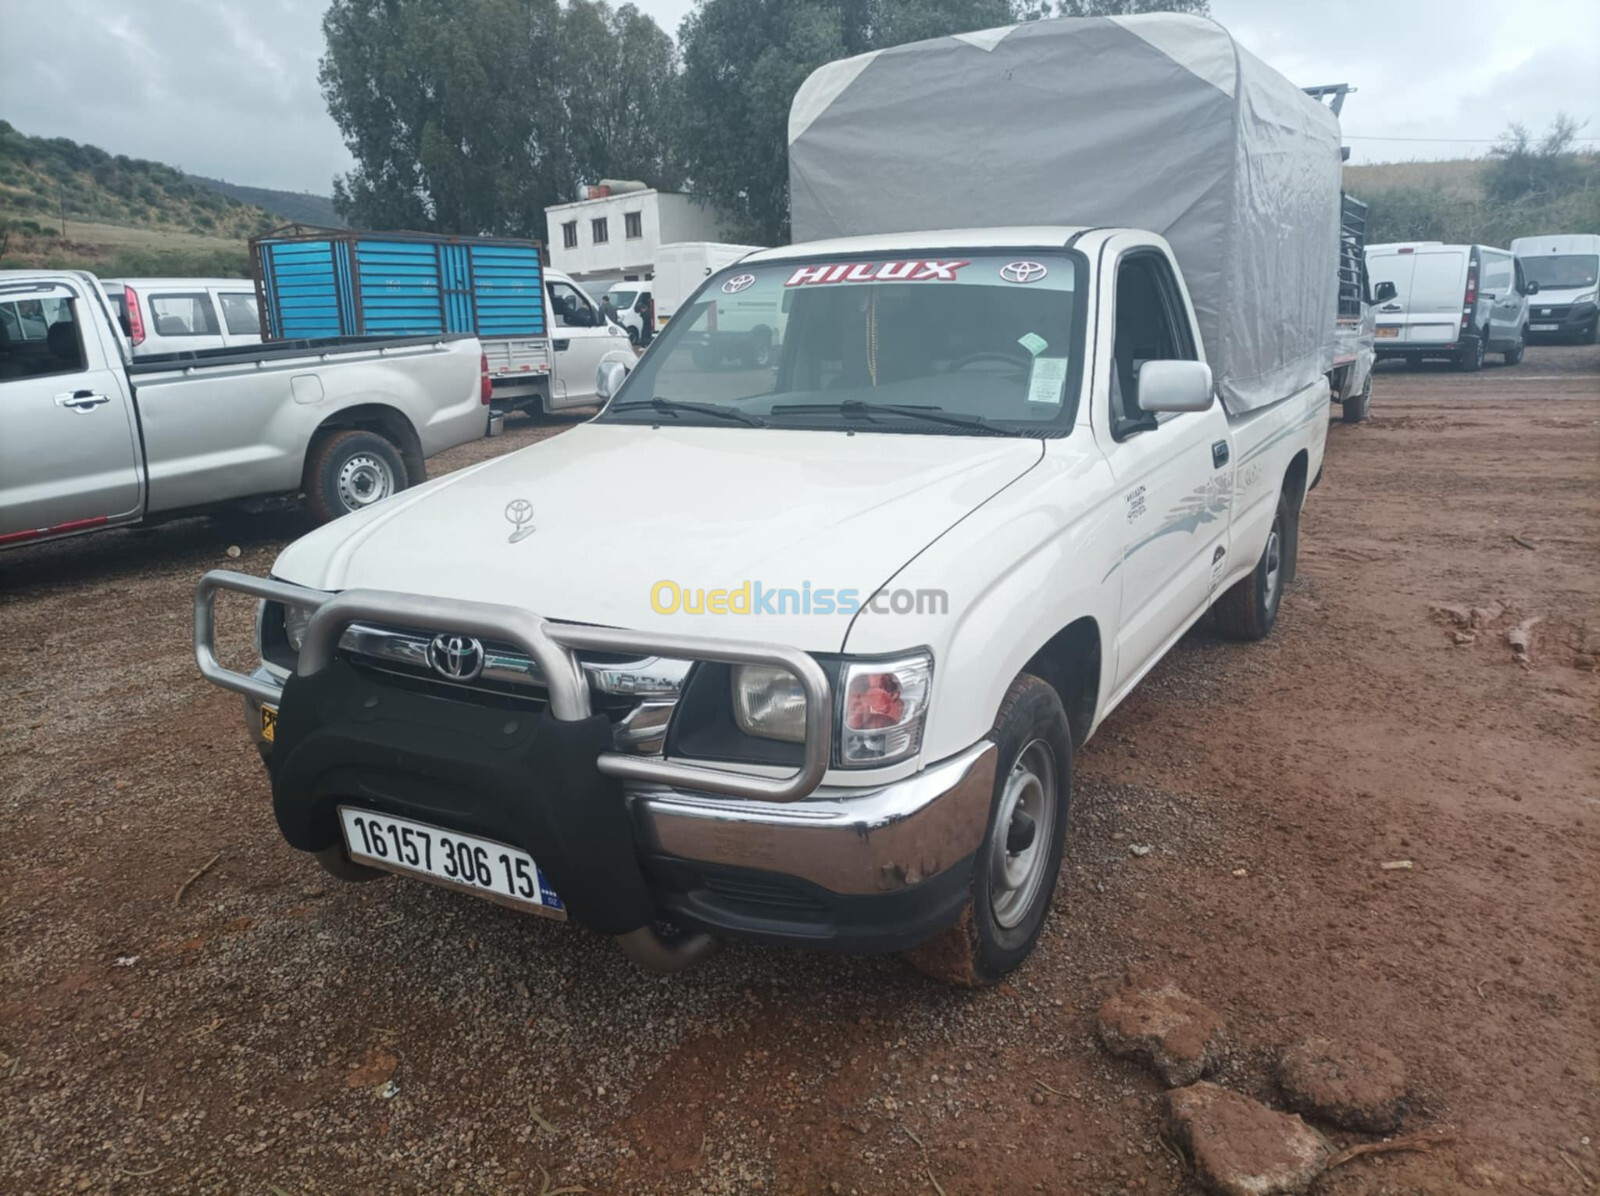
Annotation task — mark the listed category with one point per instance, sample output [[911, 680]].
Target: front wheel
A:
[[1248, 610], [349, 471], [1014, 872]]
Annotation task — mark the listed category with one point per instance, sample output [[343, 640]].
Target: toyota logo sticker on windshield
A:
[[1023, 271], [739, 282]]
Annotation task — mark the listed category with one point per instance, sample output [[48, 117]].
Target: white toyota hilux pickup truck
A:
[[812, 663], [801, 650]]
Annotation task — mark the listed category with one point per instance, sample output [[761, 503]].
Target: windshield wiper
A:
[[675, 408], [856, 409]]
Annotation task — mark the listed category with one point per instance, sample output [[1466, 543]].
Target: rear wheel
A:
[[1514, 354], [1357, 407], [1014, 872], [1250, 607], [349, 471], [1470, 359]]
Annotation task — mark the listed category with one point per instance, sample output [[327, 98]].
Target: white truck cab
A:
[[1565, 267], [177, 315]]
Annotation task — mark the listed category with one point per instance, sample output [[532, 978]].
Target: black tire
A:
[[1513, 355], [349, 470], [1000, 925], [1249, 607], [633, 336], [757, 354], [1470, 359], [1357, 407]]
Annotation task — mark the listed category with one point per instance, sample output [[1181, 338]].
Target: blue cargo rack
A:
[[316, 282]]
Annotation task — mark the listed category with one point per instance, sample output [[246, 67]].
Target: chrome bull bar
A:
[[551, 646]]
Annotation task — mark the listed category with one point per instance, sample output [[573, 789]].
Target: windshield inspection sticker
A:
[[916, 271], [1033, 343], [1046, 379]]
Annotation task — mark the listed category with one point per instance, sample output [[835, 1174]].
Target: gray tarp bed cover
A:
[[1159, 122]]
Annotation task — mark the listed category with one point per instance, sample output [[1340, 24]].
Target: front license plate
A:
[[269, 723], [1388, 332], [482, 866], [1543, 327]]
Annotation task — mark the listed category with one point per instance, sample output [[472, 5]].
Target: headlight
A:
[[884, 704], [295, 621], [769, 703], [1586, 297]]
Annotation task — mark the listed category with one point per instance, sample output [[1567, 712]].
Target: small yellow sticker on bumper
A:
[[269, 723]]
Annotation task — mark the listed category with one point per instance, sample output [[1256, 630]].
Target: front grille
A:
[[630, 692], [1541, 314]]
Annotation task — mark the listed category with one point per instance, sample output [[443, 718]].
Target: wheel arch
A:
[[1071, 661], [1295, 485], [383, 420]]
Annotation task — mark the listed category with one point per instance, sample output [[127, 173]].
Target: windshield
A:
[[1561, 271], [942, 343], [622, 299]]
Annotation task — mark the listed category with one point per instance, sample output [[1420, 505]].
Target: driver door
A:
[[581, 337]]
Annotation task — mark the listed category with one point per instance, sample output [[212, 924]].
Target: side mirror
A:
[[1174, 386], [1383, 292], [608, 379], [1531, 287]]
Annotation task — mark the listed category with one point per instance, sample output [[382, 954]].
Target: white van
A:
[[632, 301], [1458, 302], [171, 315], [1566, 267]]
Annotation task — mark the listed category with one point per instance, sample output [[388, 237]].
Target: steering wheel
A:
[[1010, 359]]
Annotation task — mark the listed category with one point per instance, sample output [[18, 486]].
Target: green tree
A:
[[474, 116], [1520, 167], [743, 61]]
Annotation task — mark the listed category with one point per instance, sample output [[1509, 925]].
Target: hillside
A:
[[1451, 201], [71, 205], [295, 207]]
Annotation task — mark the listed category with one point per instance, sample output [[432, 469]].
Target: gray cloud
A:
[[229, 89]]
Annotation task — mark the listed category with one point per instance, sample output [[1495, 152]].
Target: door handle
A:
[[82, 400], [1219, 454]]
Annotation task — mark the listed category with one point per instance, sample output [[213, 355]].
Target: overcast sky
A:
[[228, 88]]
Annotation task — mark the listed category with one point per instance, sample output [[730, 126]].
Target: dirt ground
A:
[[276, 1032]]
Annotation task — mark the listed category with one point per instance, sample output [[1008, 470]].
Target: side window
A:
[[1497, 276], [571, 309], [39, 337], [183, 314], [240, 315], [1150, 327]]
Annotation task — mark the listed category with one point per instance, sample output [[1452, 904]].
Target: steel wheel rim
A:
[[1274, 559], [1017, 878], [364, 480]]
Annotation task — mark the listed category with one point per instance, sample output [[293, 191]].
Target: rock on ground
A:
[[1164, 1027], [1356, 1088], [1239, 1146]]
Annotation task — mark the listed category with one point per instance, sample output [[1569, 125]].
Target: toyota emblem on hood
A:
[[519, 511]]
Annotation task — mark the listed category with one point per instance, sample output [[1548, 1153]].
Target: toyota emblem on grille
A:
[[1023, 271], [456, 657]]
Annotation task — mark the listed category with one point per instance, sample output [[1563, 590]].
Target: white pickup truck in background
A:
[[824, 685], [91, 437]]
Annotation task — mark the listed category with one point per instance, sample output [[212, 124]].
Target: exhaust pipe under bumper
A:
[[651, 952]]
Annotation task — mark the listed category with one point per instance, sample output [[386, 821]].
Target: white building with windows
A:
[[615, 235]]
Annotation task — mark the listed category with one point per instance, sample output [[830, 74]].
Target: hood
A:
[[610, 511]]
